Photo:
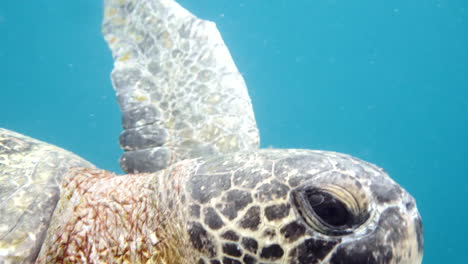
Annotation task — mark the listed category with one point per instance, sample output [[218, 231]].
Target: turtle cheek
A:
[[393, 240], [313, 250]]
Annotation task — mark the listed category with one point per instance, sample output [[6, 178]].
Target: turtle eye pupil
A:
[[329, 209]]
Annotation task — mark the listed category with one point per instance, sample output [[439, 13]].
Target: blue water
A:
[[386, 81]]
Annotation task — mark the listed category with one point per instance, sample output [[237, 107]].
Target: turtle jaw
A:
[[388, 227], [397, 238]]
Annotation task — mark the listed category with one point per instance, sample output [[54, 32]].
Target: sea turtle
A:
[[199, 189]]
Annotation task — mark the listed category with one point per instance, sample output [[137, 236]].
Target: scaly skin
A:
[[179, 90], [115, 219], [243, 207]]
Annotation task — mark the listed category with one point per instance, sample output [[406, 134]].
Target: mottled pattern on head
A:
[[245, 208], [267, 206]]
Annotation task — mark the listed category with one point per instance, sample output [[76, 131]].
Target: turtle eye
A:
[[331, 210]]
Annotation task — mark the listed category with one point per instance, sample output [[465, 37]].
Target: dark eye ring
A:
[[330, 210]]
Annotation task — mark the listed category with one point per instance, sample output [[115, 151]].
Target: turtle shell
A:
[[30, 176]]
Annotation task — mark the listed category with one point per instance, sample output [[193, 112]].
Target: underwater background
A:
[[386, 81]]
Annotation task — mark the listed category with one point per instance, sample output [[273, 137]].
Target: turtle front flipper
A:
[[30, 174], [179, 90]]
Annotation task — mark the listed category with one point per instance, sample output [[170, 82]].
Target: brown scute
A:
[[251, 219], [293, 231], [201, 240], [250, 244], [248, 259], [232, 249], [212, 219], [227, 260], [234, 201], [271, 191], [320, 248], [277, 211], [272, 252], [230, 235], [204, 187]]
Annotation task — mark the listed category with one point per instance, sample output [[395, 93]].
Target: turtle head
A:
[[300, 206]]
